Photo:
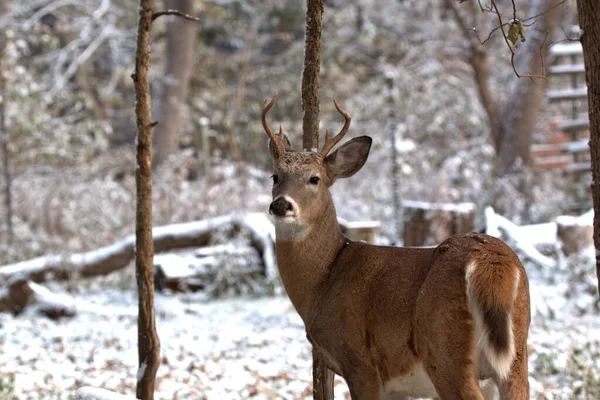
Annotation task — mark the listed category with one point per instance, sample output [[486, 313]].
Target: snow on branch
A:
[[522, 239]]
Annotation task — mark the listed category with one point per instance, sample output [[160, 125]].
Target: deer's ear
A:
[[288, 145], [349, 158]]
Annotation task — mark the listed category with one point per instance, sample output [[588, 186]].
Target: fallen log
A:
[[20, 293], [111, 258]]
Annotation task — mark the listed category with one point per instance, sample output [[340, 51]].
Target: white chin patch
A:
[[290, 228], [289, 218]]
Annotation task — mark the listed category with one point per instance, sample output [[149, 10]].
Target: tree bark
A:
[[179, 63], [519, 115], [148, 341], [589, 15], [310, 75]]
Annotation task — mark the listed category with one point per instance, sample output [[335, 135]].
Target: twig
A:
[[514, 10], [174, 12], [512, 52], [561, 3]]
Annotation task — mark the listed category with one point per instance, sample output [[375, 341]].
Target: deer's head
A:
[[301, 179]]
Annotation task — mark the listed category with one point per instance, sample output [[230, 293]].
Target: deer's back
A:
[[373, 295]]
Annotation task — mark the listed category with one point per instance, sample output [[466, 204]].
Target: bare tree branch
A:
[[174, 12]]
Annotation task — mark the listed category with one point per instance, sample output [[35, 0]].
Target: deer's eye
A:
[[275, 179], [314, 180]]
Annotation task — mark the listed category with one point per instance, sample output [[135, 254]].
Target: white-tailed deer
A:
[[395, 322]]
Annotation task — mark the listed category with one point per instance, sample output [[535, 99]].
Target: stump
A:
[[359, 230], [574, 233], [429, 224]]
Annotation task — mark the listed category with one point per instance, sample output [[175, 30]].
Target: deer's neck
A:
[[304, 255]]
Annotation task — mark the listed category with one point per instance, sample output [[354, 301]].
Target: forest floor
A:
[[241, 348]]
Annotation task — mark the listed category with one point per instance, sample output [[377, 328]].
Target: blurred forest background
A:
[[450, 119], [403, 66]]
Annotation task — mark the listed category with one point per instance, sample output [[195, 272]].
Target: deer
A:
[[449, 322]]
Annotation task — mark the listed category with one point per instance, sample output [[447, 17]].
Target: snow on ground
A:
[[228, 349], [256, 348]]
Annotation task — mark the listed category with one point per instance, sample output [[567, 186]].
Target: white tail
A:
[[407, 322]]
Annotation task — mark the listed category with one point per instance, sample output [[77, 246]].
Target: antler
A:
[[330, 142], [276, 139]]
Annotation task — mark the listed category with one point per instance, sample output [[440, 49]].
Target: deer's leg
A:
[[364, 384], [453, 384], [516, 386], [449, 364], [488, 391]]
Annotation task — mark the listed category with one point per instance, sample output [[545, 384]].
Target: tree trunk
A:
[[148, 342], [589, 15], [394, 169], [4, 127], [310, 75], [179, 63], [519, 115], [322, 376]]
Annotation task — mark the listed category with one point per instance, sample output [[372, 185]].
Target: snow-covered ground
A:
[[228, 349], [256, 348]]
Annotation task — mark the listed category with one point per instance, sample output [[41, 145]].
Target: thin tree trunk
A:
[[589, 15], [179, 63], [322, 376], [310, 75], [4, 126], [394, 170], [5, 161], [148, 341]]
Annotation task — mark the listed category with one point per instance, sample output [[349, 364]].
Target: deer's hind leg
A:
[[364, 384], [453, 380], [448, 361], [444, 344]]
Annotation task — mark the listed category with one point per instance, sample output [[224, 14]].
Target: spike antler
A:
[[276, 139], [330, 142]]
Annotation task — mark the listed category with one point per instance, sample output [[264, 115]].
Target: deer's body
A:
[[396, 322]]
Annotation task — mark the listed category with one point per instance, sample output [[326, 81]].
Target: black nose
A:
[[279, 207]]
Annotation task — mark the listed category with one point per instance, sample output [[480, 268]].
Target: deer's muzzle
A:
[[280, 207]]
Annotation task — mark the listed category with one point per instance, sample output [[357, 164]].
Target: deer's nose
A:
[[280, 207]]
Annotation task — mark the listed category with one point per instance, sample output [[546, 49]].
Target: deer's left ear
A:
[[349, 158]]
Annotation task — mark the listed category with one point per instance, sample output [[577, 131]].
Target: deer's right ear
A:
[[288, 145]]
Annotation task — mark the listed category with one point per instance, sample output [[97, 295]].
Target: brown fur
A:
[[375, 313]]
